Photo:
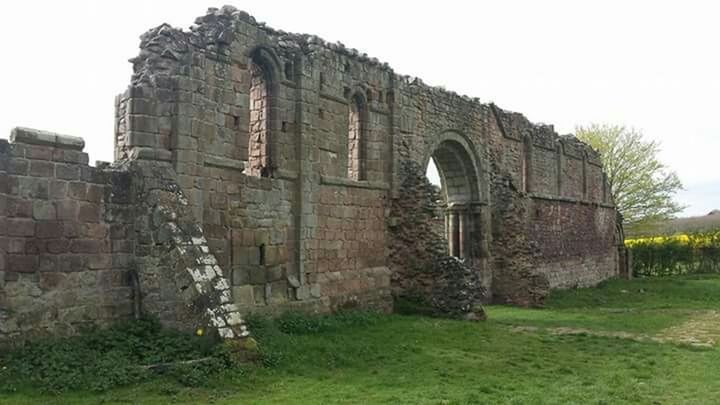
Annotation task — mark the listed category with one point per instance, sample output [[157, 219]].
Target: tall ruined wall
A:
[[256, 170], [297, 231]]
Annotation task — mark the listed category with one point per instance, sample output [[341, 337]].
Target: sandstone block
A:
[[33, 187], [70, 263], [57, 246], [58, 189], [67, 172], [77, 190], [66, 210], [88, 246], [70, 156], [38, 152], [17, 207], [244, 295], [89, 212], [21, 263], [44, 210], [41, 168], [38, 137], [20, 227], [18, 166]]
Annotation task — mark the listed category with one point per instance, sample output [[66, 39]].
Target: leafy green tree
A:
[[642, 187]]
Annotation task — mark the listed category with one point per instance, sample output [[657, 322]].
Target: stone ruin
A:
[[263, 171]]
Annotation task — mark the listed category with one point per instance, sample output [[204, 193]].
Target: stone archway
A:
[[463, 192], [436, 266]]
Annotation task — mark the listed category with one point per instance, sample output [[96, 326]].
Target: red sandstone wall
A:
[[63, 259]]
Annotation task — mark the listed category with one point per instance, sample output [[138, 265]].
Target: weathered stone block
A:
[[244, 295], [70, 156], [67, 172], [89, 212], [77, 190], [57, 246], [15, 245], [21, 263], [88, 246], [44, 210], [66, 210], [38, 137], [20, 227], [38, 152], [70, 263], [18, 166], [17, 207], [41, 168], [275, 273], [98, 261], [143, 123], [58, 189], [33, 187]]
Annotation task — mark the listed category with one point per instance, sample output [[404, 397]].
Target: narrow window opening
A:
[[321, 113], [347, 67], [284, 126], [356, 138], [322, 80], [236, 122], [261, 254], [289, 70], [259, 126]]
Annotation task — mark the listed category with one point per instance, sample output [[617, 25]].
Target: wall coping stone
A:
[[39, 137]]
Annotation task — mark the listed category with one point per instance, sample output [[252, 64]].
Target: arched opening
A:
[[356, 138], [452, 169], [259, 132]]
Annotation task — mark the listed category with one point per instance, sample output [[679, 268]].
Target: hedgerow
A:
[[678, 254]]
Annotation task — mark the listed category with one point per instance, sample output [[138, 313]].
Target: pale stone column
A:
[[463, 222], [453, 234]]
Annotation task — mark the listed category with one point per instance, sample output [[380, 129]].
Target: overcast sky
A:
[[650, 65]]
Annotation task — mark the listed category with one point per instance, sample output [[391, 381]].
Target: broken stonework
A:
[[422, 270], [260, 171]]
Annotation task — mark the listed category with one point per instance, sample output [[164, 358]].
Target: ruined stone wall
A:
[[299, 225], [64, 247], [261, 167], [318, 214]]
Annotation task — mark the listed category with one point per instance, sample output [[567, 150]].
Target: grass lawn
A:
[[647, 341]]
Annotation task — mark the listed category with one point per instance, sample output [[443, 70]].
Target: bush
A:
[[100, 359], [673, 255]]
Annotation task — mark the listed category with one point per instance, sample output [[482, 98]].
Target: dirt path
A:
[[702, 330]]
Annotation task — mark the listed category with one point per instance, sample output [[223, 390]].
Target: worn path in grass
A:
[[680, 310], [516, 357]]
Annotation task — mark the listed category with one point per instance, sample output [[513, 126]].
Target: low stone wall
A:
[[74, 239], [63, 256]]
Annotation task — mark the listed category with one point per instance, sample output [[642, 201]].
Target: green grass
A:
[[362, 358], [646, 305]]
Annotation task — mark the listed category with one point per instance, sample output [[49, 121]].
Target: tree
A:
[[642, 187]]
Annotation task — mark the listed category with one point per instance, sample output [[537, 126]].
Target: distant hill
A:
[[703, 223]]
